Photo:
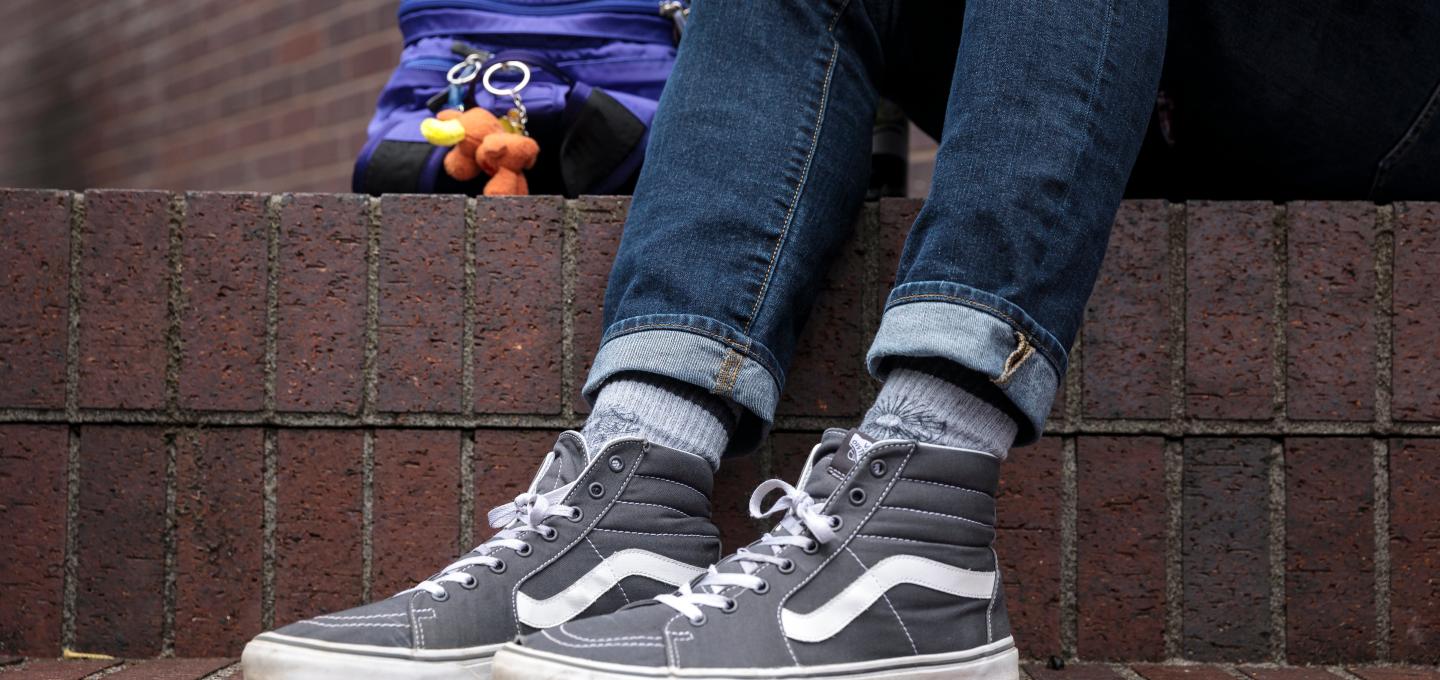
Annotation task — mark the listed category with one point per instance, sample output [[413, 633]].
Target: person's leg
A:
[[757, 164], [882, 563], [1045, 116]]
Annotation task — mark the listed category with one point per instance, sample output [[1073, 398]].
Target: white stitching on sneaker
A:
[[965, 489], [935, 514], [662, 479], [561, 628], [608, 568], [655, 505], [322, 624], [889, 604], [356, 617], [558, 641]]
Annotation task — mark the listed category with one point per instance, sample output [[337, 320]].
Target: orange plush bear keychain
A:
[[481, 142]]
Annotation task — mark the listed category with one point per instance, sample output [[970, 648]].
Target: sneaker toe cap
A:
[[602, 639], [386, 623]]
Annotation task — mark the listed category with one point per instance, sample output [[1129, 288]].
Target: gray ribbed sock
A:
[[663, 410], [938, 402]]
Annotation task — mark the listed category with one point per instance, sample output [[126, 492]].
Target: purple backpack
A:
[[595, 72]]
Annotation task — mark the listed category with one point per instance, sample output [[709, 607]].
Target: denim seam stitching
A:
[[1099, 76], [967, 302], [824, 105]]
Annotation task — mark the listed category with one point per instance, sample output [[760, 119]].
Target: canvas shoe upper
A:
[[880, 566], [591, 534]]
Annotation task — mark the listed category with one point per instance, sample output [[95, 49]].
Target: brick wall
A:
[[206, 94], [221, 412]]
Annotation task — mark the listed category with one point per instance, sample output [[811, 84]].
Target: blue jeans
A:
[[760, 156]]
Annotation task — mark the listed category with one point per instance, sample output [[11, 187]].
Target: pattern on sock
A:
[[917, 403], [668, 412]]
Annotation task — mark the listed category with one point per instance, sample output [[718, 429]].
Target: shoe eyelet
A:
[[597, 489], [836, 522], [810, 548], [576, 514], [786, 567], [729, 606], [616, 464], [550, 536], [470, 584], [857, 496], [877, 468], [699, 620], [525, 550], [498, 567], [761, 589], [443, 596]]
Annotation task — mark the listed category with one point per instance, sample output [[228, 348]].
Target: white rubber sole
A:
[[996, 661], [279, 657]]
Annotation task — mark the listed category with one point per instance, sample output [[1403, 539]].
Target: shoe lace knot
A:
[[802, 525], [516, 520]]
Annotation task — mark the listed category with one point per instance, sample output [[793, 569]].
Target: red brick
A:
[[222, 323], [601, 221], [1169, 672], [422, 302], [1229, 297], [1331, 325], [171, 669], [318, 522], [1415, 551], [1287, 673], [55, 669], [32, 503], [1416, 368], [34, 289], [1073, 671], [519, 314], [416, 515], [895, 215], [829, 366], [10, 660], [1330, 547], [121, 571], [1226, 549], [505, 463], [1127, 347], [220, 518], [1395, 673], [125, 293], [1028, 542], [730, 502], [321, 327], [1120, 526]]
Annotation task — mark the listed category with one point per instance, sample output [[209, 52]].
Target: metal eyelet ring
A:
[[729, 606], [836, 521], [511, 91], [877, 468], [763, 588], [525, 550], [443, 596], [616, 464], [810, 548], [576, 514], [857, 496], [699, 620], [550, 536], [786, 567], [597, 489], [470, 585], [498, 567]]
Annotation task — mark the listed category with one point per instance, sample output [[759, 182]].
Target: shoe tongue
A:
[[565, 466], [839, 451]]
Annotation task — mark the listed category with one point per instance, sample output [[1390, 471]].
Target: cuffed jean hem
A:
[[980, 331], [700, 351]]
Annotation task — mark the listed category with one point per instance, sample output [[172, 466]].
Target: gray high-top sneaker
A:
[[880, 567], [590, 535]]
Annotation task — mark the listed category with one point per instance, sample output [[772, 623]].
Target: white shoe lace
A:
[[802, 513], [527, 513]]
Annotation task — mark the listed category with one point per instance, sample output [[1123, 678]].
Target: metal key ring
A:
[[509, 92], [456, 74]]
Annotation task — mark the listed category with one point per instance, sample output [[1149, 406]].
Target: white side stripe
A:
[[833, 616], [568, 603]]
